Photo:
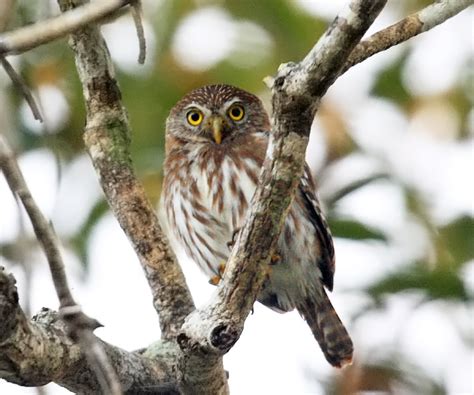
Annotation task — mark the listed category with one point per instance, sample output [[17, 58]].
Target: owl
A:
[[216, 140]]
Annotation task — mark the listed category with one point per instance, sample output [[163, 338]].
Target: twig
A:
[[42, 228], [412, 25], [22, 87], [80, 326], [137, 19], [32, 36]]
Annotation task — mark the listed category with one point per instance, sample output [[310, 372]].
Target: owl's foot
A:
[[218, 277], [275, 259], [231, 243]]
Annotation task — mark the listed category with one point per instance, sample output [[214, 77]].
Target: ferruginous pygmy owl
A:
[[216, 138]]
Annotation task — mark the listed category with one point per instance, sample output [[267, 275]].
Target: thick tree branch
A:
[[34, 353], [107, 138], [411, 26], [297, 91], [32, 36]]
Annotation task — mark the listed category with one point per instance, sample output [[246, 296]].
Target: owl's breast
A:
[[205, 204]]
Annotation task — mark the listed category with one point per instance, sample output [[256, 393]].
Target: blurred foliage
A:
[[80, 240], [456, 240], [391, 375], [353, 230], [148, 97], [389, 83], [432, 284]]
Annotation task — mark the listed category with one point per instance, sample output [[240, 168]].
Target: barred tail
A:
[[328, 330]]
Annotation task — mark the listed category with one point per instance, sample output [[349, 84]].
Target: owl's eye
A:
[[236, 112], [194, 117]]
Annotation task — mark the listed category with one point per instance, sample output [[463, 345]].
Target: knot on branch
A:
[[220, 340], [285, 75], [77, 321], [47, 317], [224, 337], [207, 334]]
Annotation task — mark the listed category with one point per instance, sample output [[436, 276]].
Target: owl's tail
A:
[[328, 330]]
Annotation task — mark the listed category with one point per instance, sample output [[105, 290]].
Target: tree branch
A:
[[34, 353], [107, 138], [22, 88], [80, 326], [411, 26], [297, 91], [137, 12], [32, 36]]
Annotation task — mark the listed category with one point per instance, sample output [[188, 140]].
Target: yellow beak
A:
[[216, 125]]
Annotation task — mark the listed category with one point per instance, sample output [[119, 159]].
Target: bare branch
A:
[[137, 19], [107, 139], [412, 25], [297, 91], [32, 36], [80, 326], [22, 87], [42, 228], [39, 351]]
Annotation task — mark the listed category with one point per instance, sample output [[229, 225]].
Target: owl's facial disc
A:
[[215, 121]]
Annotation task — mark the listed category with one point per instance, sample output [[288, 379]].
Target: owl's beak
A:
[[216, 126]]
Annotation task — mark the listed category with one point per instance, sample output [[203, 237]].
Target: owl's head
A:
[[216, 114]]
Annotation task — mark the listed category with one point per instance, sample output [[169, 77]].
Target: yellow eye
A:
[[194, 117], [236, 112]]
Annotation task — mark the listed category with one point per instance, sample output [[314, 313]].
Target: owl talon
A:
[[215, 280], [231, 243], [275, 259], [218, 277]]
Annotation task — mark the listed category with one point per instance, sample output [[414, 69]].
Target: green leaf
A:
[[433, 284], [349, 229], [79, 241], [389, 83], [353, 186], [457, 238]]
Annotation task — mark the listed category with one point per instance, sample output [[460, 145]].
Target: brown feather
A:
[[328, 330]]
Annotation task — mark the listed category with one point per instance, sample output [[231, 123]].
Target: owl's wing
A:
[[327, 261]]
